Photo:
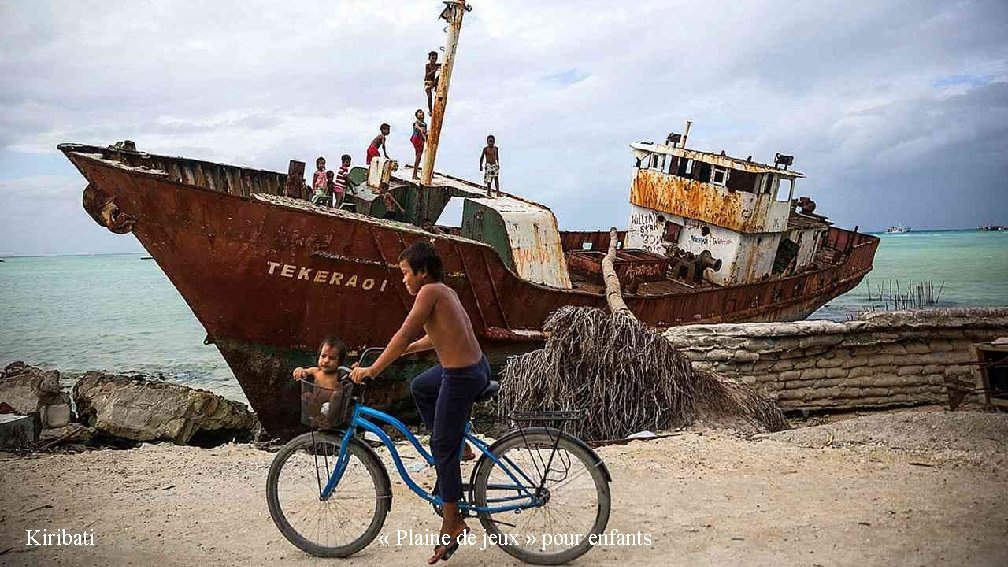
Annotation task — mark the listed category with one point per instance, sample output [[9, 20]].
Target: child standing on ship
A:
[[319, 182], [492, 169], [418, 139], [378, 142]]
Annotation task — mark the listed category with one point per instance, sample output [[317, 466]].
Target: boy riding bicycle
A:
[[445, 393]]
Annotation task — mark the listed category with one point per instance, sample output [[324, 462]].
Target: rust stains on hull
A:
[[740, 211]]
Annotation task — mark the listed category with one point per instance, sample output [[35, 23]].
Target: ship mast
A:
[[452, 13]]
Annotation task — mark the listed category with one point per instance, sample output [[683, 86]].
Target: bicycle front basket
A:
[[324, 408]]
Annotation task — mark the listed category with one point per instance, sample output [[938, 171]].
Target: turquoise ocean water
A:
[[120, 313]]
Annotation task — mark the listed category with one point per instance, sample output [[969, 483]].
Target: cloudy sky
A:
[[896, 111]]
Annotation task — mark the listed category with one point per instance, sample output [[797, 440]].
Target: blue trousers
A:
[[445, 398]]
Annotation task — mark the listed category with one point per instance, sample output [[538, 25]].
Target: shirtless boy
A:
[[492, 169], [445, 393], [430, 79], [378, 143]]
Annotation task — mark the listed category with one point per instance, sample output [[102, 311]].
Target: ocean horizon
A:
[[119, 313]]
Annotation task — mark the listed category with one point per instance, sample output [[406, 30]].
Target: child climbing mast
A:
[[431, 77]]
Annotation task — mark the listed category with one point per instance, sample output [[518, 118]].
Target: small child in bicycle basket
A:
[[445, 393], [332, 354]]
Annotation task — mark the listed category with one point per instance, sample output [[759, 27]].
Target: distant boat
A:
[[992, 227], [898, 229], [147, 258]]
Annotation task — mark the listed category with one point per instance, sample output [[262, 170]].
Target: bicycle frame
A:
[[527, 494]]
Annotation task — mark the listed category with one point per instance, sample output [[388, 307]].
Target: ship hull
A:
[[269, 277]]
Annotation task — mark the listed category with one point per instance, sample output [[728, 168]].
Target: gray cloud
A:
[[883, 104]]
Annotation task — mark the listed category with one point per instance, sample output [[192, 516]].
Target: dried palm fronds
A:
[[626, 378]]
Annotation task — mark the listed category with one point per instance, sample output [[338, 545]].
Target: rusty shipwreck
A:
[[710, 238]]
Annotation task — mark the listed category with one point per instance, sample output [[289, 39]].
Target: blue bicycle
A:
[[541, 495]]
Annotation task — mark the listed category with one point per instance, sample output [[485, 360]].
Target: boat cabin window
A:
[[704, 173], [672, 231], [719, 176], [672, 165], [685, 168], [784, 192], [768, 183]]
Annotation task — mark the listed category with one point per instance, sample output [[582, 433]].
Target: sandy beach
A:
[[901, 488]]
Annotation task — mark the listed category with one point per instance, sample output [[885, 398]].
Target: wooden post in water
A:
[[453, 11]]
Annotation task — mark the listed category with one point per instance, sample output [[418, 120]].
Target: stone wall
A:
[[880, 360]]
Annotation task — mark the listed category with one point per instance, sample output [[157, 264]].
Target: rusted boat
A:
[[710, 239], [268, 275]]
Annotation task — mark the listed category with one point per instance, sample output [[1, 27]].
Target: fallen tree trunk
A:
[[614, 291]]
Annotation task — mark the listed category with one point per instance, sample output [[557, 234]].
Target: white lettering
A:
[[336, 278], [287, 271], [304, 274], [352, 282], [60, 537], [272, 266], [382, 288], [367, 284], [321, 276]]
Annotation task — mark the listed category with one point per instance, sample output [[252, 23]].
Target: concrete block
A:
[[789, 375], [838, 372], [829, 362], [861, 371], [57, 415], [17, 431], [916, 347], [813, 374], [893, 349], [881, 360]]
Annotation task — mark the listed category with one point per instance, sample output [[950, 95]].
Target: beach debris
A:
[[137, 409], [642, 435], [626, 377], [890, 294], [70, 433], [17, 431]]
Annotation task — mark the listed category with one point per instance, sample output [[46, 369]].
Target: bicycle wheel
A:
[[347, 521], [576, 489]]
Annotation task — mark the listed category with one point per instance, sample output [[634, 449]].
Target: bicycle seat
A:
[[489, 392]]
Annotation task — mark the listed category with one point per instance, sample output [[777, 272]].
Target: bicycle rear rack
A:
[[558, 419], [537, 416]]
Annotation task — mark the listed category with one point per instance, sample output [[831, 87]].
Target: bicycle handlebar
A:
[[367, 351]]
